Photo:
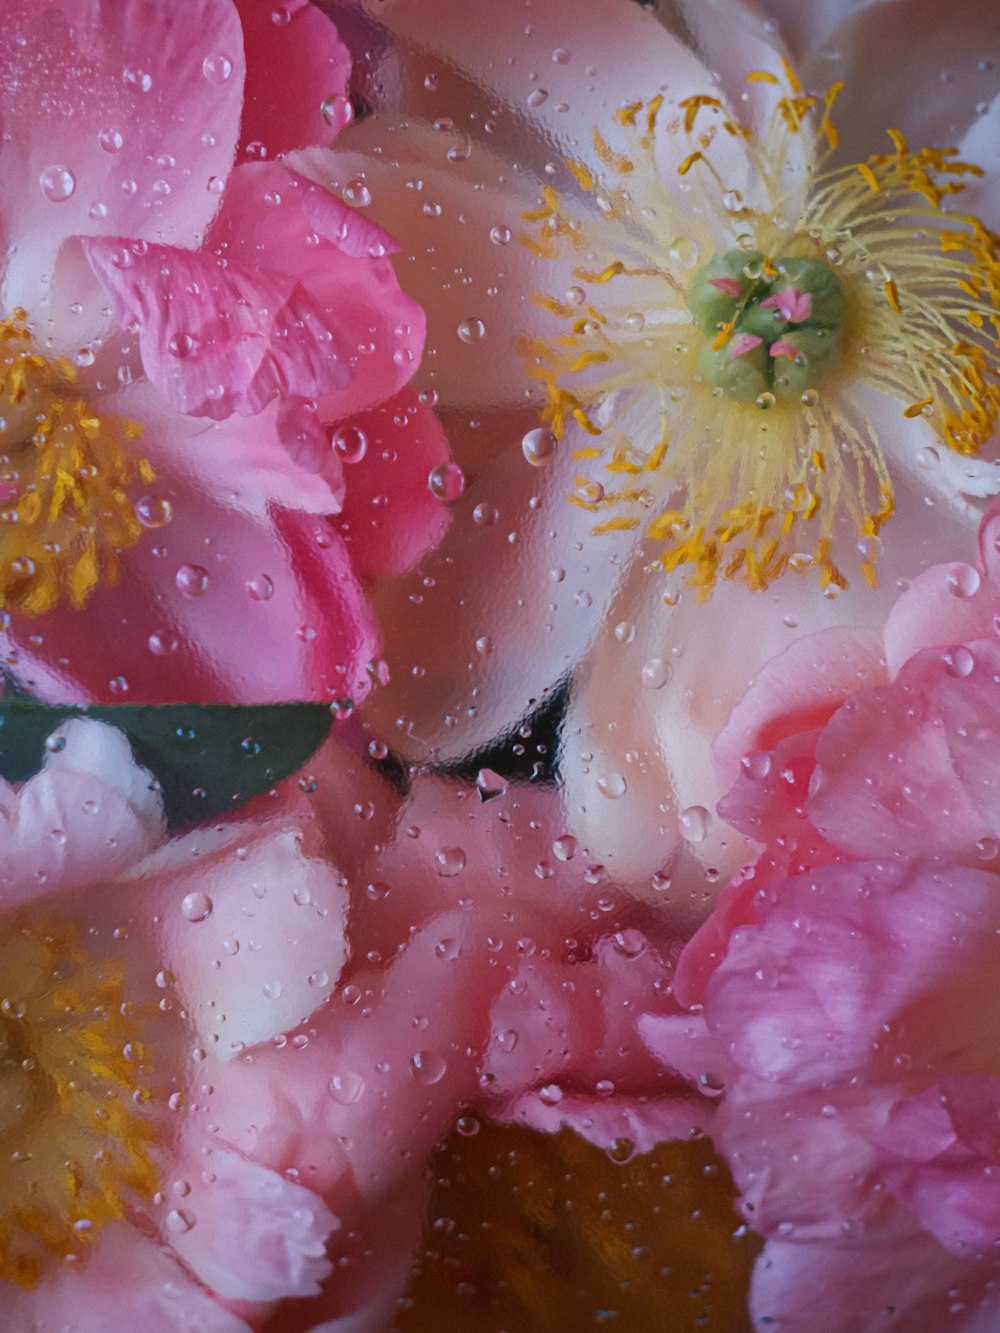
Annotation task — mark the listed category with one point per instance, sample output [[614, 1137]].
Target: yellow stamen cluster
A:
[[750, 490], [66, 473], [74, 1138]]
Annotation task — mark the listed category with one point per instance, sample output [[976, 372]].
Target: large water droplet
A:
[[350, 443], [192, 580], [57, 183], [538, 446], [694, 823], [447, 482], [153, 512], [472, 330], [217, 68], [346, 1088], [428, 1067], [196, 906], [450, 861]]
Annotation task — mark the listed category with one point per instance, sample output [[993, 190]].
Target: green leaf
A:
[[208, 758]]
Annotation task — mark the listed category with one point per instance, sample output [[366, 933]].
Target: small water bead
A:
[[537, 97], [180, 1220], [695, 822], [447, 482], [612, 785], [565, 848], [196, 906], [484, 515], [217, 69], [337, 111], [260, 588], [192, 580], [350, 444], [684, 253], [963, 581], [656, 673], [500, 235], [346, 1088], [162, 642], [357, 194], [182, 345], [765, 401], [539, 446], [110, 140], [959, 662], [629, 943], [472, 330], [450, 861], [153, 511], [551, 1094], [57, 183], [427, 1067], [625, 631]]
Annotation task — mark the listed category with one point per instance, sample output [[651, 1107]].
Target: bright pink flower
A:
[[844, 986], [488, 977], [244, 318], [137, 965], [473, 116]]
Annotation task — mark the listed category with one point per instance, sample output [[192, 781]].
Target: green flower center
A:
[[774, 325]]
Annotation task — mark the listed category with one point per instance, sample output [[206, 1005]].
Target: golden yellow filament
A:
[[74, 1138], [66, 476], [751, 489]]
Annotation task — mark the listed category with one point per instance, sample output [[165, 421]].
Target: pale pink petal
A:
[[257, 1236], [939, 1155], [933, 107], [256, 936], [970, 708], [946, 605], [883, 761], [797, 690], [642, 1123], [141, 122], [866, 1284], [390, 516], [127, 1281], [87, 815], [296, 64]]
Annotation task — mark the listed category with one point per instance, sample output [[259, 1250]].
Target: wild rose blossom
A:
[[134, 964], [208, 442], [534, 128], [844, 988]]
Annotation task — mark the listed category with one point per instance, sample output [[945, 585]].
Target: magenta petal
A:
[[390, 515], [289, 47]]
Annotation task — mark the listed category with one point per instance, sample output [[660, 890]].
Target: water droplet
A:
[[959, 662], [472, 330], [500, 235], [110, 140], [467, 1125], [694, 823], [565, 847], [656, 673], [765, 401], [153, 512], [447, 482], [612, 785], [490, 785], [630, 943], [427, 1067], [538, 446], [162, 642], [684, 252], [450, 861], [621, 1150], [217, 68], [537, 97], [57, 183], [551, 1094], [182, 345], [196, 906], [180, 1220], [337, 111], [346, 1088], [447, 949], [963, 581], [357, 194], [192, 580], [757, 765], [625, 631], [350, 443]]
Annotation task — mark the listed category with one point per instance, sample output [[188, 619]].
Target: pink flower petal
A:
[[134, 102], [257, 1236], [268, 945], [126, 1281], [743, 343], [970, 709], [294, 46], [390, 516], [219, 339]]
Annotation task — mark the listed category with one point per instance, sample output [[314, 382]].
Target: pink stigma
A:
[[795, 306], [728, 286], [742, 343], [781, 348]]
